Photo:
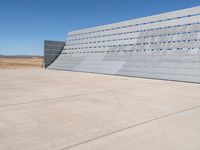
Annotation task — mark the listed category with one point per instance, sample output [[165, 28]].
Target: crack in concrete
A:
[[132, 126]]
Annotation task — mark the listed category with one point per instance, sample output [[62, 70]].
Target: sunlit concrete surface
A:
[[59, 110], [163, 46]]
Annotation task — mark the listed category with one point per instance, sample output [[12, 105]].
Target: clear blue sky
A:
[[25, 24]]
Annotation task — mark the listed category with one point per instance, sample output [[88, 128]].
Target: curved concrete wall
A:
[[52, 50], [165, 46]]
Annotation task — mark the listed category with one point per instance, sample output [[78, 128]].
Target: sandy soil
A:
[[17, 63]]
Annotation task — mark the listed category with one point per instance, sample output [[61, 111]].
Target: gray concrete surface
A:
[[164, 46], [59, 110], [51, 51]]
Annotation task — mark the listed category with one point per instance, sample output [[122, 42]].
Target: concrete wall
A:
[[165, 46], [51, 51]]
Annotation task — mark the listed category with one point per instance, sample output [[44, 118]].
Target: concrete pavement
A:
[[57, 110]]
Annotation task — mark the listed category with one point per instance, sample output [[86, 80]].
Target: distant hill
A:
[[20, 56]]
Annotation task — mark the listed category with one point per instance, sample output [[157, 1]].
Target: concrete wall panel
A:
[[52, 49], [165, 46]]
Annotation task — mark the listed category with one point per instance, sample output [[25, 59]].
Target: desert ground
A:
[[20, 62], [42, 109]]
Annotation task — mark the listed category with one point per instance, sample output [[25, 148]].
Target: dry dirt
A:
[[19, 63]]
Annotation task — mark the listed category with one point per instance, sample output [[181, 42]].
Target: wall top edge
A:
[[54, 41], [175, 13]]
